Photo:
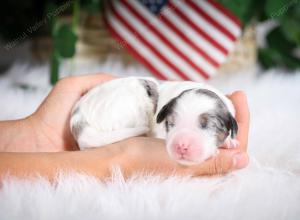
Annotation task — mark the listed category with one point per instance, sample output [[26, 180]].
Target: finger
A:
[[67, 91], [84, 83], [239, 101], [224, 162], [89, 81], [73, 88]]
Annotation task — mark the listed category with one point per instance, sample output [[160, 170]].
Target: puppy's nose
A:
[[182, 148]]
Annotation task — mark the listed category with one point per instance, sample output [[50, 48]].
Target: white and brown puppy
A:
[[114, 111], [195, 119]]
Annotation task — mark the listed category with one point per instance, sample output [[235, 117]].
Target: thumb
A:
[[222, 163], [81, 84], [87, 82]]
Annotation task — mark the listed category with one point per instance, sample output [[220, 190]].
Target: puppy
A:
[[195, 119], [114, 111]]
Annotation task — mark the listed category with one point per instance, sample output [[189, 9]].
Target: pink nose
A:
[[182, 149]]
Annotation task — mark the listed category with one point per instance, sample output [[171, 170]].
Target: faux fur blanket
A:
[[269, 188]]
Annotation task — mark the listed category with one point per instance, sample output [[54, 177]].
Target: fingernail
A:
[[240, 160]]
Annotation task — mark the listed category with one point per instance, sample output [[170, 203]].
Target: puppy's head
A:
[[196, 122]]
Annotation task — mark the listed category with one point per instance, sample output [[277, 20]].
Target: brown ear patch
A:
[[232, 126], [166, 110], [222, 112], [151, 89]]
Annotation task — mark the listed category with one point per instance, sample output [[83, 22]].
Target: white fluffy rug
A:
[[268, 189]]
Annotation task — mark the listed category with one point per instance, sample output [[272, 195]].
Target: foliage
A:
[[284, 39], [64, 39], [64, 34], [18, 17]]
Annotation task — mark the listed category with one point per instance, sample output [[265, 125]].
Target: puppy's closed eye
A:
[[210, 121], [203, 121]]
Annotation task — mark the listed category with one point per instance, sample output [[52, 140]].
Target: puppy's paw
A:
[[231, 143]]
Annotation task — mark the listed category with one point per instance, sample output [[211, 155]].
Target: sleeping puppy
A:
[[195, 119], [114, 111]]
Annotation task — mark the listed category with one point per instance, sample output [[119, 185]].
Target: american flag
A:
[[175, 39]]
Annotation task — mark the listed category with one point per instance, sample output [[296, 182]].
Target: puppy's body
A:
[[114, 111], [194, 118]]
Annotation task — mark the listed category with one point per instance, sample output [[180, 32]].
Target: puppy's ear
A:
[[166, 110], [232, 126], [150, 87]]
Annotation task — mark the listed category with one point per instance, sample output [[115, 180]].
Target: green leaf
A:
[[268, 57], [276, 39], [291, 29], [275, 8], [76, 13], [262, 16], [54, 68], [64, 40], [291, 61], [296, 9], [92, 6], [50, 8], [243, 9]]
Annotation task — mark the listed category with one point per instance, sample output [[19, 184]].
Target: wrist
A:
[[99, 162], [95, 162], [17, 136], [139, 154]]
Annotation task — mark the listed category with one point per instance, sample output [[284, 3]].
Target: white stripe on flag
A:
[[204, 25], [161, 46], [221, 18], [161, 27], [195, 37], [137, 45]]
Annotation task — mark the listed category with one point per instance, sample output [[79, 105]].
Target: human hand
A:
[[139, 154], [150, 155], [50, 123]]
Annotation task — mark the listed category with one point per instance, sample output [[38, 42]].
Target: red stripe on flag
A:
[[211, 20], [228, 13], [167, 42], [182, 35], [199, 30], [149, 45], [135, 53]]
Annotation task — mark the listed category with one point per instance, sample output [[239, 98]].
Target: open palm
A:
[[51, 120]]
